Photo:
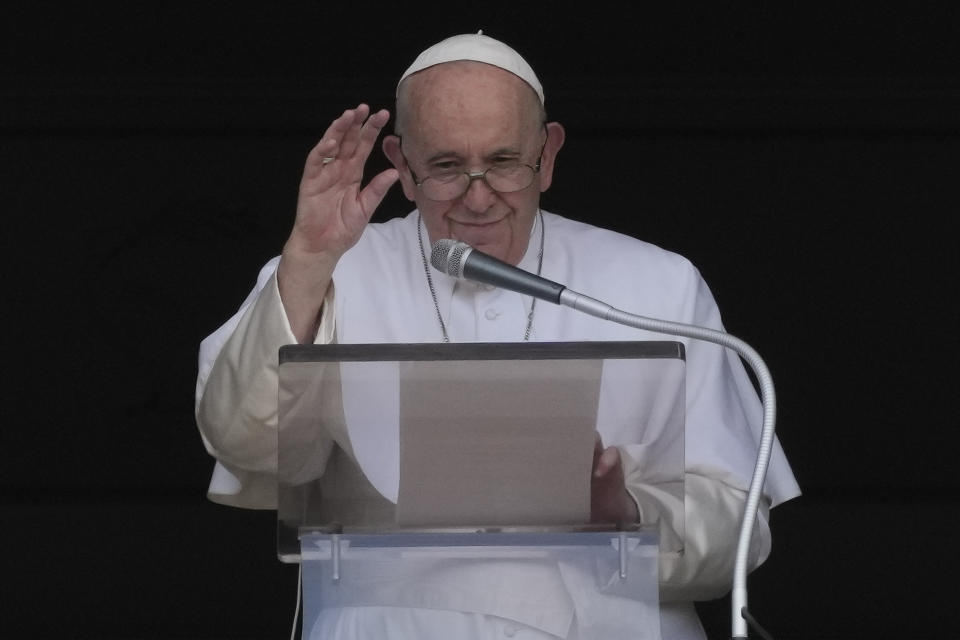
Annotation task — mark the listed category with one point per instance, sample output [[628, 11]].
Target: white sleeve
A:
[[236, 397], [710, 515]]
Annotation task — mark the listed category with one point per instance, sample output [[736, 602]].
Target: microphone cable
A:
[[296, 612]]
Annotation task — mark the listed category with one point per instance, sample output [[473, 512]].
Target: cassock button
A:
[[492, 314]]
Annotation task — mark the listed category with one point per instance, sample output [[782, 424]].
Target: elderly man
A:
[[473, 150]]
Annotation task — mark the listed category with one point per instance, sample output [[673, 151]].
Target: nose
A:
[[479, 196]]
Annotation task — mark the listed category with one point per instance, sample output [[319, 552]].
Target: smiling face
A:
[[470, 116]]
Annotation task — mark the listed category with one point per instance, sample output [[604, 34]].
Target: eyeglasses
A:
[[503, 177]]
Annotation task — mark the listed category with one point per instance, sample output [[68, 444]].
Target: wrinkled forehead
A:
[[466, 98]]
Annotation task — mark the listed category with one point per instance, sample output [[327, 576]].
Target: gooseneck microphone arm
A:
[[462, 261], [602, 310]]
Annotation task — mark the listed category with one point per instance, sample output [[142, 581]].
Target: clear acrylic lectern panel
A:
[[607, 580], [418, 438]]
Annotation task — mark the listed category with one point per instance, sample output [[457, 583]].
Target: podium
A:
[[457, 477]]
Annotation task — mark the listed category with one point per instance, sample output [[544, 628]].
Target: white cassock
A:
[[380, 294]]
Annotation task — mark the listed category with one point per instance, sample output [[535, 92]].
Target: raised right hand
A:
[[332, 209], [332, 212]]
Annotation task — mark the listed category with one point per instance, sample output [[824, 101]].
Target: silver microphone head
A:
[[448, 255]]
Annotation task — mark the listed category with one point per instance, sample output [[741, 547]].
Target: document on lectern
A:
[[498, 443]]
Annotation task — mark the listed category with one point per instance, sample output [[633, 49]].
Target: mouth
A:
[[475, 224], [474, 233]]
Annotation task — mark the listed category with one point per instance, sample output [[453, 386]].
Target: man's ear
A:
[[555, 137], [391, 148]]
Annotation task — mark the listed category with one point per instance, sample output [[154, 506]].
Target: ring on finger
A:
[[329, 159]]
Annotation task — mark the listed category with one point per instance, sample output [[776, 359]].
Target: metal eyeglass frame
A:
[[475, 175]]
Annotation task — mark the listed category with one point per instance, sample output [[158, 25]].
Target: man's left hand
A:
[[609, 500]]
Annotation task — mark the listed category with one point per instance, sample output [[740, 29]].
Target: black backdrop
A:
[[805, 160]]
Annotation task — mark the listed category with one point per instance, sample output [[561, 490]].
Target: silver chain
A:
[[433, 291]]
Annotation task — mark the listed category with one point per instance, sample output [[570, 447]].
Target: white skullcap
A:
[[479, 48]]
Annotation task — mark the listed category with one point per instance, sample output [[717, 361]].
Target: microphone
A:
[[460, 260]]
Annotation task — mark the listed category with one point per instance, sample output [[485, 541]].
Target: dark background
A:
[[805, 158]]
